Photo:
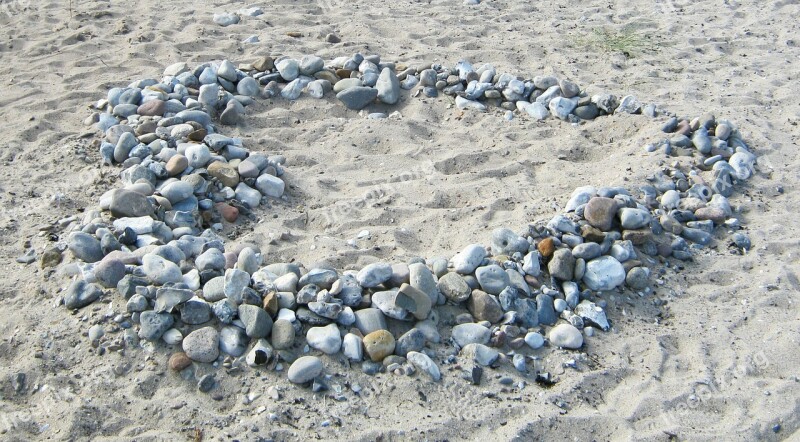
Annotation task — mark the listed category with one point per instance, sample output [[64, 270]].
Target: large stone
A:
[[374, 274], [379, 344], [424, 363], [81, 293], [484, 307], [129, 204], [600, 212], [257, 322], [470, 333], [492, 278], [326, 339], [604, 273], [454, 287], [369, 320], [388, 87], [562, 265], [414, 301], [421, 278], [565, 336], [85, 247], [202, 345], [358, 97], [466, 261], [305, 369]]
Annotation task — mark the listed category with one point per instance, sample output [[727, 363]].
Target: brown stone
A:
[[343, 73], [600, 212], [592, 234], [271, 303], [152, 108], [178, 361], [484, 307], [637, 236], [198, 135], [264, 64], [327, 75], [177, 164], [225, 173], [228, 212], [379, 344], [710, 213], [546, 247]]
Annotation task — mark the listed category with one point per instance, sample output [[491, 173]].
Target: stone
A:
[[414, 301], [534, 340], [600, 212], [545, 310], [257, 322], [233, 341], [178, 361], [421, 278], [592, 314], [224, 172], [412, 340], [638, 278], [326, 339], [633, 218], [386, 302], [160, 270], [565, 336], [202, 345], [604, 273], [109, 272], [388, 87], [235, 282], [369, 320], [480, 354], [153, 325], [176, 165], [283, 334], [562, 265], [531, 264], [454, 287], [506, 242], [492, 278], [562, 107], [352, 347], [484, 307], [81, 293], [374, 274], [466, 261], [288, 68], [323, 278], [85, 247], [270, 186], [423, 363], [379, 344], [128, 204], [357, 97], [226, 19], [470, 333], [305, 369]]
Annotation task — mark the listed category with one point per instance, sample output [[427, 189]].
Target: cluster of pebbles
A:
[[155, 239]]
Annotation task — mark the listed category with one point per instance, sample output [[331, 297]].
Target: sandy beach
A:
[[711, 354]]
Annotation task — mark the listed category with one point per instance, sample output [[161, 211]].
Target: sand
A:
[[713, 355]]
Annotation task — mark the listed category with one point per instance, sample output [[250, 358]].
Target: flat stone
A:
[[357, 97], [545, 309], [421, 278], [161, 271], [369, 320], [128, 204], [414, 301], [480, 354], [352, 347], [424, 363], [283, 334], [374, 274], [81, 293], [412, 340]]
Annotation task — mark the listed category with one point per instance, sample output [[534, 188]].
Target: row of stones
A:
[[148, 239]]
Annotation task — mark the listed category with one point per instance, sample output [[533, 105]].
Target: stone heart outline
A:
[[490, 296]]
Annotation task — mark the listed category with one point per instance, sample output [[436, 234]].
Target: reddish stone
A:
[[228, 212], [152, 108]]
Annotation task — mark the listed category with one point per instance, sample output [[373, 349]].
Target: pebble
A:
[[604, 273], [81, 293], [454, 287], [109, 272], [470, 333], [160, 270], [153, 325], [600, 212], [412, 340], [379, 344], [178, 361], [85, 247], [484, 307], [492, 278], [256, 321], [425, 364], [325, 339], [283, 334], [565, 336], [226, 19], [562, 265], [480, 354], [357, 97], [466, 261], [202, 345], [305, 369], [352, 347], [374, 274], [534, 340]]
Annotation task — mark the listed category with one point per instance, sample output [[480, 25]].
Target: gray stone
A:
[[414, 301], [565, 336], [534, 340], [374, 274], [531, 264], [470, 333], [357, 97], [153, 325], [235, 282], [323, 278], [545, 310], [412, 340], [466, 261], [592, 314], [352, 347], [202, 345], [633, 218], [386, 302], [480, 354], [421, 278], [161, 271], [128, 204], [325, 339], [424, 363], [305, 369], [454, 288], [109, 272], [288, 68], [506, 242], [195, 311], [388, 87], [167, 298], [233, 341], [492, 278], [256, 321], [81, 293], [638, 278], [369, 320], [484, 307], [587, 251], [282, 334], [604, 273], [211, 259], [562, 265], [85, 247]]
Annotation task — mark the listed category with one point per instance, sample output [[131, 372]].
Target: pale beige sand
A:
[[717, 361]]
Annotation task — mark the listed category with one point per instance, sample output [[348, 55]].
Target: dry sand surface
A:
[[713, 355]]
